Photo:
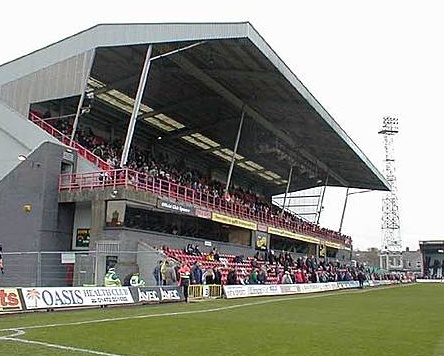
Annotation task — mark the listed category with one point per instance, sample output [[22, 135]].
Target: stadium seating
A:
[[243, 203]]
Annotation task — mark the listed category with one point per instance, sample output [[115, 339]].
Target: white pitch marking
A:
[[60, 347], [146, 316], [17, 332]]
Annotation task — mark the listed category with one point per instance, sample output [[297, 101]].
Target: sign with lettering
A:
[[9, 300], [158, 294], [178, 207], [49, 298], [292, 235], [83, 237], [230, 220]]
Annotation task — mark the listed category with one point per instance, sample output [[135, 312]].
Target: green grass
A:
[[400, 320]]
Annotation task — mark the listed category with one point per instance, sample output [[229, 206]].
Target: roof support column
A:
[[321, 201], [137, 101], [286, 190], [233, 158], [343, 209], [92, 53]]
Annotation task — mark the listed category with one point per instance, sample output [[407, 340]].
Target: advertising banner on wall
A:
[[230, 220], [254, 290], [292, 235], [9, 300], [82, 238], [115, 212], [177, 207], [54, 297], [261, 240], [162, 294]]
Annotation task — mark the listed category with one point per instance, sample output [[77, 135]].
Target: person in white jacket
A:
[[286, 278]]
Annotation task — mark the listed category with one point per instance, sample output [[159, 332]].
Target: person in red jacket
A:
[[299, 276], [184, 279]]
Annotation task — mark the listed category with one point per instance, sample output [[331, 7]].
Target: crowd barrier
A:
[[199, 291], [25, 299], [430, 280], [50, 298], [255, 290]]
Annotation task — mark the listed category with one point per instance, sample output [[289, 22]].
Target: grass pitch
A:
[[401, 320]]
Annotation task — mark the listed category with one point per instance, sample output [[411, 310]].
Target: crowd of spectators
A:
[[176, 171], [306, 270], [281, 269]]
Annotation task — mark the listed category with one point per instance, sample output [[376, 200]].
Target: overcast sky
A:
[[361, 62]]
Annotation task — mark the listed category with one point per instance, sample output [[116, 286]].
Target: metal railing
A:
[[82, 151], [130, 179], [114, 178]]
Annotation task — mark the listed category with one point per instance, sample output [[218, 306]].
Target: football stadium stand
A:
[[127, 137]]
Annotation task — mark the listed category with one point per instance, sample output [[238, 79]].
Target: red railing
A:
[[82, 151], [130, 179]]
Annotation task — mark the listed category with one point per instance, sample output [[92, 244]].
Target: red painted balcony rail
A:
[[82, 151], [130, 179]]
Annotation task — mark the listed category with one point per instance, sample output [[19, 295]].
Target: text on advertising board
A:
[[9, 300], [158, 294], [67, 297]]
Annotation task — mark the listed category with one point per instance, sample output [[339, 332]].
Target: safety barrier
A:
[[16, 300], [204, 291]]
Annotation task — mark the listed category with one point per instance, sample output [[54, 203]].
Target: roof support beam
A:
[[233, 158], [139, 95], [82, 96]]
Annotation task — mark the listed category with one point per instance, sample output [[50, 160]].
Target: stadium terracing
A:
[[213, 98]]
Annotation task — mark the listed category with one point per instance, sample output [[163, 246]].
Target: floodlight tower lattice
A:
[[391, 248]]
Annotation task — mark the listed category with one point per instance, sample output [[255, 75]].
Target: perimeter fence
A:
[[75, 268]]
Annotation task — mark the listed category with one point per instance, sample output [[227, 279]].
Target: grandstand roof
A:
[[201, 78]]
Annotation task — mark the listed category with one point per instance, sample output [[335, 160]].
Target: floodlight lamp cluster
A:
[[389, 125]]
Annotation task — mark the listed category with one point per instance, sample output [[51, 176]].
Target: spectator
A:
[[217, 276], [252, 279], [238, 259], [170, 274], [262, 275], [156, 273], [184, 279], [1, 260], [232, 277], [286, 278], [196, 273], [299, 276], [136, 280], [197, 250], [208, 276], [215, 254], [361, 279], [163, 269], [112, 279], [189, 250], [210, 257]]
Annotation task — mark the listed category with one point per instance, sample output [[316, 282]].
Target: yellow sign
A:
[[261, 242], [292, 235], [332, 244], [233, 221]]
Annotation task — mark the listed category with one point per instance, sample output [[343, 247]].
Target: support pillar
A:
[[136, 107], [233, 158]]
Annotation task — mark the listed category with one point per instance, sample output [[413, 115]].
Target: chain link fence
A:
[[76, 268]]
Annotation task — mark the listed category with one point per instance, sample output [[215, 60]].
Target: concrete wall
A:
[[62, 79], [44, 227], [82, 220]]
